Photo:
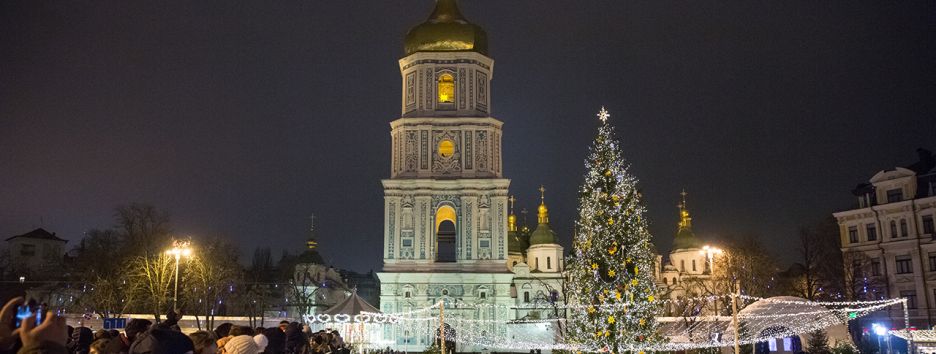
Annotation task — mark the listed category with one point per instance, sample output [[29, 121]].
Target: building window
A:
[[483, 295], [872, 232], [548, 262], [407, 294], [856, 269], [28, 250], [893, 227], [894, 195], [932, 261], [446, 88], [875, 267], [910, 295], [693, 265], [407, 242], [928, 224], [903, 265], [485, 243], [852, 234], [446, 148], [903, 228], [526, 296], [536, 263], [682, 265]]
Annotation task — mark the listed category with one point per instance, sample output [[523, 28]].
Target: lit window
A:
[[446, 148], [446, 88]]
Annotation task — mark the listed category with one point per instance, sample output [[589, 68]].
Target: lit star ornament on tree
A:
[[612, 244]]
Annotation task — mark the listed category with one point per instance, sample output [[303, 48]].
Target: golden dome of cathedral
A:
[[446, 30]]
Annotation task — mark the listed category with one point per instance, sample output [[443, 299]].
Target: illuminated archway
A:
[[445, 234], [444, 213], [446, 88]]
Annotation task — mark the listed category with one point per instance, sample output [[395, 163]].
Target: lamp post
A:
[[179, 249], [710, 252]]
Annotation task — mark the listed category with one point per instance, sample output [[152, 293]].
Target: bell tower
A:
[[446, 198]]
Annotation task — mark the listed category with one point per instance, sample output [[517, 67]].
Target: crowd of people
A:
[[54, 336]]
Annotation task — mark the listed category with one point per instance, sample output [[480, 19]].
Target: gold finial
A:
[[685, 222], [603, 115], [542, 214], [512, 219]]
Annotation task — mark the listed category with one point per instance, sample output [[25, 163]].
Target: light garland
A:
[[684, 332]]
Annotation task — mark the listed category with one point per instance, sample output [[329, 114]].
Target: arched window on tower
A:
[[445, 234], [446, 88]]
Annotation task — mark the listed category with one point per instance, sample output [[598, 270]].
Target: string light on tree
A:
[[612, 244]]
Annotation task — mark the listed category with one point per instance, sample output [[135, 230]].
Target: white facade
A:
[[890, 239], [446, 213]]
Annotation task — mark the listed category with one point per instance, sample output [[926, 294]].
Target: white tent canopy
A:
[[352, 306]]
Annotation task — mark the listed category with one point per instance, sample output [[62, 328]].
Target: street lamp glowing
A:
[[179, 249], [709, 252]]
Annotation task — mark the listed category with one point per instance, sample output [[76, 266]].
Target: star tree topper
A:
[[603, 115]]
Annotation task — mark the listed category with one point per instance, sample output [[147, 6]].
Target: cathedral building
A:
[[447, 233], [687, 271]]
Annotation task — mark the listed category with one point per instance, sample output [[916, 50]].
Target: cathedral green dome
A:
[[446, 30], [686, 239], [543, 235]]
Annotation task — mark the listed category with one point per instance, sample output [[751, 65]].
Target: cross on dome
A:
[[603, 115]]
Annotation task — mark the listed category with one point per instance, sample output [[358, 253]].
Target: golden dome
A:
[[446, 30], [542, 213]]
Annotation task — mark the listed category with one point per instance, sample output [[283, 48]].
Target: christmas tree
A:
[[612, 274]]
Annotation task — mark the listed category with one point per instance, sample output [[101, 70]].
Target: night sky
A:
[[243, 118]]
